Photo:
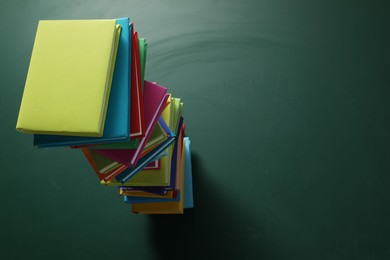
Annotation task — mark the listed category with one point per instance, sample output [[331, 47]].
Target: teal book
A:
[[188, 188]]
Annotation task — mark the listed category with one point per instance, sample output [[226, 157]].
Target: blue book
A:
[[135, 199], [117, 124], [188, 192], [174, 159]]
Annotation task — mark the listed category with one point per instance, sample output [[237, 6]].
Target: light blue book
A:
[[188, 192], [117, 124]]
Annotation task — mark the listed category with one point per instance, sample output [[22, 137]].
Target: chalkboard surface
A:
[[287, 107]]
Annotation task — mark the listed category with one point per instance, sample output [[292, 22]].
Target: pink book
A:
[[155, 98]]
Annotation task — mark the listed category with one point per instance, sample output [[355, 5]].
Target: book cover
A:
[[118, 114], [69, 78]]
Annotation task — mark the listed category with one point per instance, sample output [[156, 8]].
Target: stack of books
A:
[[85, 89]]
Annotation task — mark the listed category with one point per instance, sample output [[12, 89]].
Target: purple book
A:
[[155, 98]]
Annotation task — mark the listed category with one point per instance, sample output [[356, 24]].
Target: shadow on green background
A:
[[215, 227]]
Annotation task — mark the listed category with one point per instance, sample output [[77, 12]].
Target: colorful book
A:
[[160, 177], [118, 113], [166, 180], [155, 138], [69, 78], [130, 173], [106, 168], [154, 99], [175, 170], [164, 206], [170, 207]]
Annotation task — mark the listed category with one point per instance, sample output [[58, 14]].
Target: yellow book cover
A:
[[157, 137], [178, 106], [69, 78]]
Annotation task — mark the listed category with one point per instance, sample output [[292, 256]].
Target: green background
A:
[[286, 104]]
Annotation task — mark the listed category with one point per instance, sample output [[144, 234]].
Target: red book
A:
[[137, 124]]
